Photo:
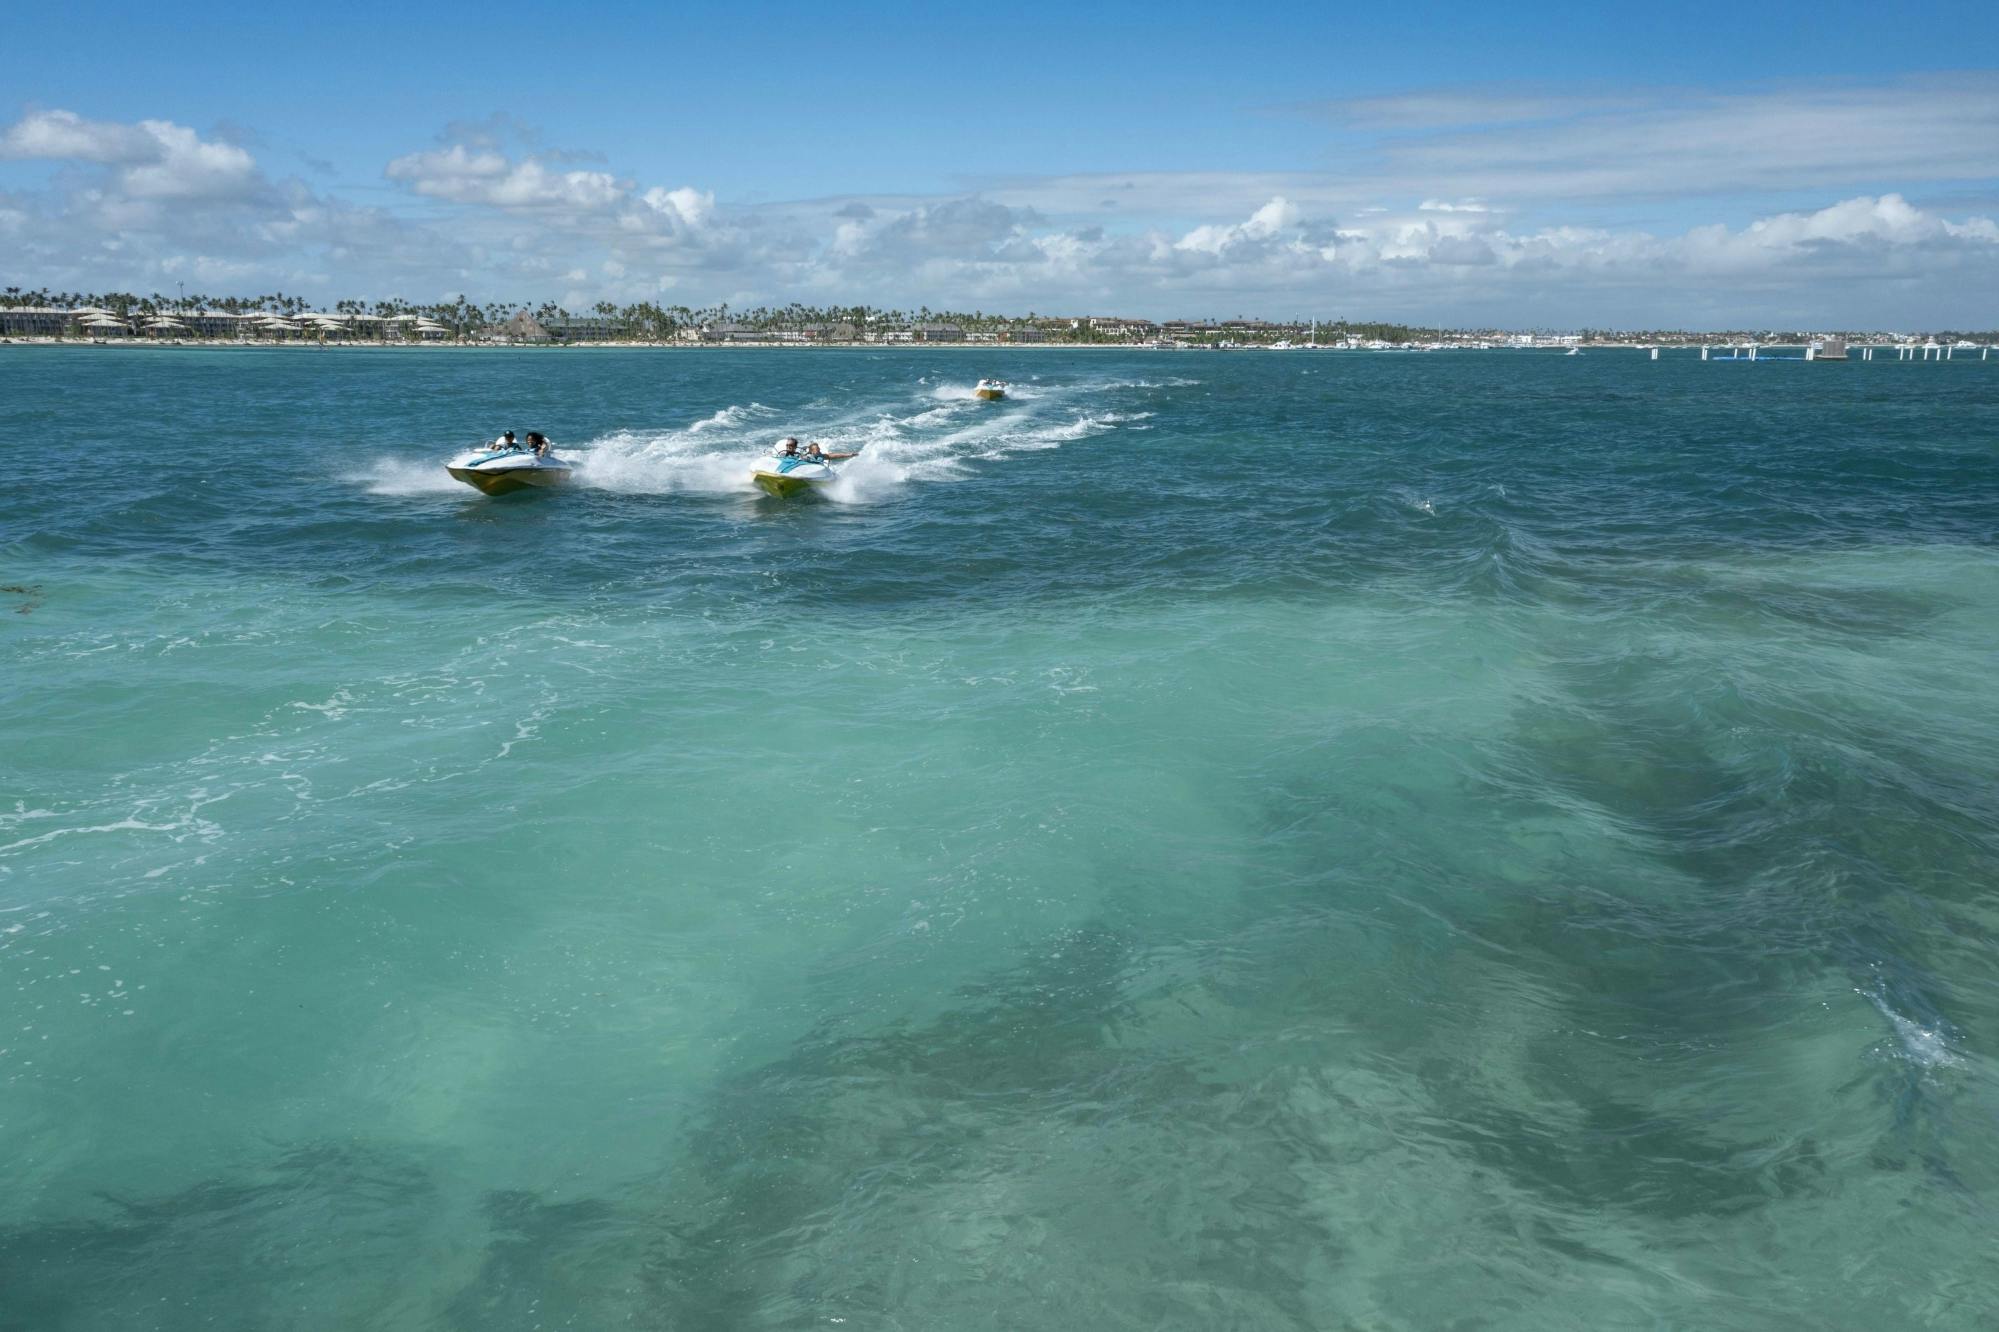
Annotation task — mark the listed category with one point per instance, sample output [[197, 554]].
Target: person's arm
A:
[[836, 457]]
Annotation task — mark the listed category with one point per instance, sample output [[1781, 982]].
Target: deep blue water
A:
[[1217, 840]]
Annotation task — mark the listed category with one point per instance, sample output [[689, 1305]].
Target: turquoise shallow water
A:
[[1253, 841]]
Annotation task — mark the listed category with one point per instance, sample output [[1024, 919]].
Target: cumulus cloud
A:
[[685, 208], [1271, 221], [65, 135], [504, 217], [153, 202], [154, 159], [473, 176], [1426, 261]]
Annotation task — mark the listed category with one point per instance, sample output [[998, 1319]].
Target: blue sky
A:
[[1527, 165]]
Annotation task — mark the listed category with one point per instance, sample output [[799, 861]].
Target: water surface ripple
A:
[[1254, 841]]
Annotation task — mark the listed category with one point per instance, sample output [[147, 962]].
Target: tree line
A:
[[645, 320]]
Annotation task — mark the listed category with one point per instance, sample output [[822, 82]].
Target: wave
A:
[[731, 417]]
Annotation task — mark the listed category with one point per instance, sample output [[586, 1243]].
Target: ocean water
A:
[[1215, 841]]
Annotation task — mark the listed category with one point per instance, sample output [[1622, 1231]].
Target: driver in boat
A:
[[502, 444], [789, 457]]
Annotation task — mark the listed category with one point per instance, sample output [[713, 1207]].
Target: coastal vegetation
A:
[[462, 318]]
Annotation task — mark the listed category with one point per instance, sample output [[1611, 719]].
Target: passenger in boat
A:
[[538, 443], [503, 443], [813, 453]]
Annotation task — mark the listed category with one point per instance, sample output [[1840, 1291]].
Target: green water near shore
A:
[[1262, 841]]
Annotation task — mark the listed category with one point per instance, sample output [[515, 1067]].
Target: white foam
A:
[[927, 436], [1925, 1046], [396, 476]]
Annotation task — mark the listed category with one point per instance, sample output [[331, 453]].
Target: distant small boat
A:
[[1573, 351], [502, 472], [990, 390]]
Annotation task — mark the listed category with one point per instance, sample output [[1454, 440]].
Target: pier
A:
[[1834, 349]]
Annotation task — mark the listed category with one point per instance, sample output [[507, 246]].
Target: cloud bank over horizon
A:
[[1810, 206]]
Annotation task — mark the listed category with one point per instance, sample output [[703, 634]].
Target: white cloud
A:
[[1463, 242], [1269, 222], [154, 159], [64, 135], [471, 176], [683, 207], [1674, 143]]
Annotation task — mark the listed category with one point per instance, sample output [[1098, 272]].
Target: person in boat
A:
[[503, 443], [538, 444], [813, 453]]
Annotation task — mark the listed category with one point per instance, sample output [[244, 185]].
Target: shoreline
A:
[[209, 344], [1555, 349]]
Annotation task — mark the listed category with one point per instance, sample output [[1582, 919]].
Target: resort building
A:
[[1124, 328], [939, 333], [40, 322], [523, 327], [586, 328]]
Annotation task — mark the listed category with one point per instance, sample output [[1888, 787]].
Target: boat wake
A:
[[931, 436], [930, 432], [395, 476]]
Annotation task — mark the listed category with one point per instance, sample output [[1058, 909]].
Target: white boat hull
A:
[[505, 473], [800, 480]]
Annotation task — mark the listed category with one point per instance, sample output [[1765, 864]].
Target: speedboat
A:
[[783, 478], [503, 471], [990, 390]]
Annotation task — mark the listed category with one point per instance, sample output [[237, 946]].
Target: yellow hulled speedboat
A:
[[990, 390], [504, 471], [799, 478]]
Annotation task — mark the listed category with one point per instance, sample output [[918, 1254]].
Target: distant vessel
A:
[[505, 471], [1573, 351], [990, 390]]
